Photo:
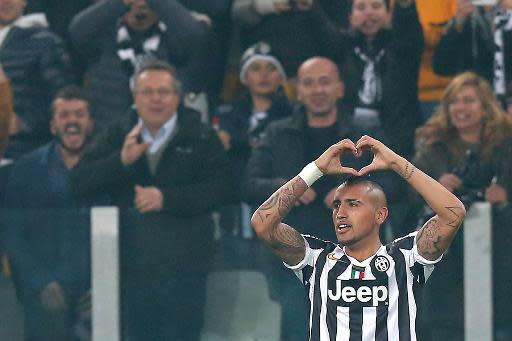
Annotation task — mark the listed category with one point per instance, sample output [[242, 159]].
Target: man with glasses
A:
[[169, 167]]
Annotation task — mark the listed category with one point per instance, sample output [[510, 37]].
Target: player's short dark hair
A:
[[351, 3], [153, 64], [364, 180], [71, 92]]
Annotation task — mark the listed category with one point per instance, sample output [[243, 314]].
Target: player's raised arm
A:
[[283, 239], [436, 235]]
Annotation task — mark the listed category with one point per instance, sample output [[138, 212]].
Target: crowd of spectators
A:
[[171, 109]]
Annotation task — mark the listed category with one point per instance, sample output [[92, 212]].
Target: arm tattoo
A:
[[457, 219], [408, 171], [285, 239], [429, 240], [284, 199]]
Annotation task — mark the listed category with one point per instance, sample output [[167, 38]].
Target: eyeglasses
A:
[[162, 92]]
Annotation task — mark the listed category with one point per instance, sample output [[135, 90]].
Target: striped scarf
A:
[[131, 53], [502, 22]]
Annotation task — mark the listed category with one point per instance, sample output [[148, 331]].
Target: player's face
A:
[[319, 88], [355, 215], [466, 110], [369, 16], [71, 123], [262, 78], [156, 98], [10, 10]]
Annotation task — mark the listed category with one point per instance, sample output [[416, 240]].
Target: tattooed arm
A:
[[436, 235], [283, 239]]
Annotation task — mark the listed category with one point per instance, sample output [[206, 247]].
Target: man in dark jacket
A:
[[479, 39], [172, 170], [285, 25], [115, 36], [37, 65], [46, 237], [380, 66], [241, 123]]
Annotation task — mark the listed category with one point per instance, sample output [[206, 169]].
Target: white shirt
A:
[[161, 136]]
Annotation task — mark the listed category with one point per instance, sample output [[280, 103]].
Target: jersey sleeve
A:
[[422, 267]]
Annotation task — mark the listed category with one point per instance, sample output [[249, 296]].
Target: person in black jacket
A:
[[241, 124], [379, 58], [115, 36], [37, 65], [478, 39], [169, 168]]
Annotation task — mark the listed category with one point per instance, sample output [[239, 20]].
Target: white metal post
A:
[[105, 273], [478, 293]]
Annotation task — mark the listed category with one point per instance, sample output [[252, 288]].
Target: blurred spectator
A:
[[205, 69], [466, 146], [479, 39], [380, 67], [6, 112], [59, 14], [241, 124], [115, 36], [173, 170], [434, 17], [6, 115], [34, 60], [46, 241], [317, 124], [286, 26]]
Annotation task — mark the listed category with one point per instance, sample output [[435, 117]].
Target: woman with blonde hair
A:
[[467, 145]]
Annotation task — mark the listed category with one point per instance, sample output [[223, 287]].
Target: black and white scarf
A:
[[370, 92], [132, 53], [502, 22]]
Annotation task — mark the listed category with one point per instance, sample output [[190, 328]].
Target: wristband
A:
[[310, 173]]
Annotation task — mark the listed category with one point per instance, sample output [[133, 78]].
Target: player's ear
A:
[[381, 215]]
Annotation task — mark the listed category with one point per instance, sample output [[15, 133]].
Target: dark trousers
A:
[[171, 309]]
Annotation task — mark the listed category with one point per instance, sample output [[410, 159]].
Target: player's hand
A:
[[52, 297], [330, 163], [383, 157], [495, 194], [148, 199], [132, 148], [450, 181]]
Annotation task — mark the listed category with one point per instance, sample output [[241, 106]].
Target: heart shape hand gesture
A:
[[383, 157]]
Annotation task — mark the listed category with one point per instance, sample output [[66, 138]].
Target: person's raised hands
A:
[[330, 161], [464, 10], [383, 157]]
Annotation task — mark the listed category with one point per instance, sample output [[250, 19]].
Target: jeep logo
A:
[[348, 293]]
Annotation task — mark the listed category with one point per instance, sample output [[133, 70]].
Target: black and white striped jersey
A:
[[373, 300]]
